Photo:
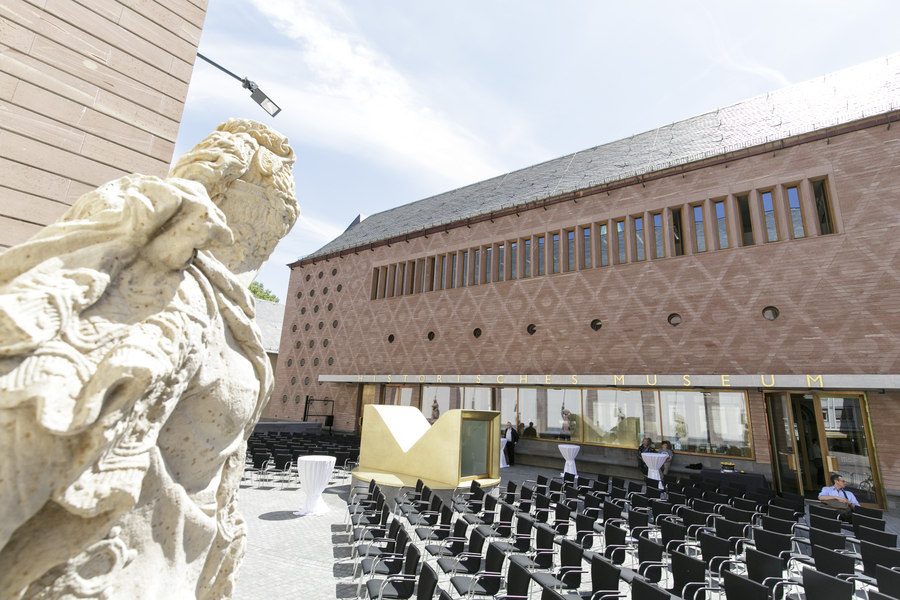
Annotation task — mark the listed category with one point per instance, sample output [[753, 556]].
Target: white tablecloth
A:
[[569, 451], [654, 462], [315, 473], [503, 463]]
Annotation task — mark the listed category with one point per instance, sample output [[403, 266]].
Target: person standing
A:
[[512, 436], [646, 446], [667, 450]]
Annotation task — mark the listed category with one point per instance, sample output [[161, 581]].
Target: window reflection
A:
[[556, 413], [706, 422], [619, 417]]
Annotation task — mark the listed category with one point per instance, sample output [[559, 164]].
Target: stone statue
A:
[[132, 373]]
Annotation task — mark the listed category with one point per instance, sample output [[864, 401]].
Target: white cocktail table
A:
[[315, 473], [569, 451], [654, 462]]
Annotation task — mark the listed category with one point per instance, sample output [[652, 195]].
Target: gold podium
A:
[[398, 446]]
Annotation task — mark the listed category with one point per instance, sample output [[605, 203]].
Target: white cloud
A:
[[352, 99]]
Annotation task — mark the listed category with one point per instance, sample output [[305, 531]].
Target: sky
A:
[[386, 103]]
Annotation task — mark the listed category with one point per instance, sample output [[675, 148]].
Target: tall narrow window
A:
[[769, 212], [431, 267], [526, 268], [603, 245], [659, 246], [401, 276], [487, 264], [475, 258], [540, 256], [513, 259], [570, 250], [823, 207], [677, 232], [392, 282], [556, 253], [743, 203], [375, 283], [422, 284], [586, 247], [639, 238], [699, 231], [793, 198], [453, 270], [411, 280], [465, 269], [443, 270], [721, 225], [501, 250], [620, 241]]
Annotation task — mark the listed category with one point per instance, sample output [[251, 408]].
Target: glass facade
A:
[[701, 422]]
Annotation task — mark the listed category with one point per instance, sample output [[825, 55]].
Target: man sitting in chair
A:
[[836, 496]]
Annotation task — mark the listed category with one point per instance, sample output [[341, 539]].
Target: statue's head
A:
[[245, 167]]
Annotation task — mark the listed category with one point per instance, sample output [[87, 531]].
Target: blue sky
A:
[[390, 102]]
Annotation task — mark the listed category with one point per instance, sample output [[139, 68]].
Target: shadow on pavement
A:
[[279, 515]]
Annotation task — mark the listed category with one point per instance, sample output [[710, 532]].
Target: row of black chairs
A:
[[642, 534]]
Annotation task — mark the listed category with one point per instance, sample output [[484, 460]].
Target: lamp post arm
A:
[[223, 69]]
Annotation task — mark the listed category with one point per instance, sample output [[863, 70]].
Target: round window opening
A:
[[306, 327], [307, 276], [293, 380], [333, 272], [340, 287], [306, 381], [531, 329], [430, 336], [312, 343], [321, 325], [770, 313], [284, 399], [330, 361], [330, 306], [334, 324], [296, 399], [321, 274], [325, 290], [477, 332], [303, 311], [391, 339], [312, 293], [302, 362], [294, 328], [298, 345], [290, 361], [315, 362], [299, 294], [596, 324], [324, 343], [316, 308], [674, 319]]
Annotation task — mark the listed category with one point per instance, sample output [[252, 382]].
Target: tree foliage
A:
[[259, 291]]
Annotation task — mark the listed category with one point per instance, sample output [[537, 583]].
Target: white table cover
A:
[[503, 463], [569, 451], [315, 473], [654, 462]]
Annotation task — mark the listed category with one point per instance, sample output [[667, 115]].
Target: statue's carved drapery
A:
[[132, 373]]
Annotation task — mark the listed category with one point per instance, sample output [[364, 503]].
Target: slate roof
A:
[[270, 317], [857, 92]]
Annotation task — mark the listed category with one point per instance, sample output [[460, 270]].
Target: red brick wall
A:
[[838, 295]]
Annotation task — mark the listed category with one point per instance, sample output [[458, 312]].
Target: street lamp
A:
[[256, 94]]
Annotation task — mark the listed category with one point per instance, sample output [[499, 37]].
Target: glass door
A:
[[844, 426], [783, 439]]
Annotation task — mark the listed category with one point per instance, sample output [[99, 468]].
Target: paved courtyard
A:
[[307, 557]]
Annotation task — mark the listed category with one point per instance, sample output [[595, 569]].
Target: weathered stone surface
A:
[[131, 374]]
